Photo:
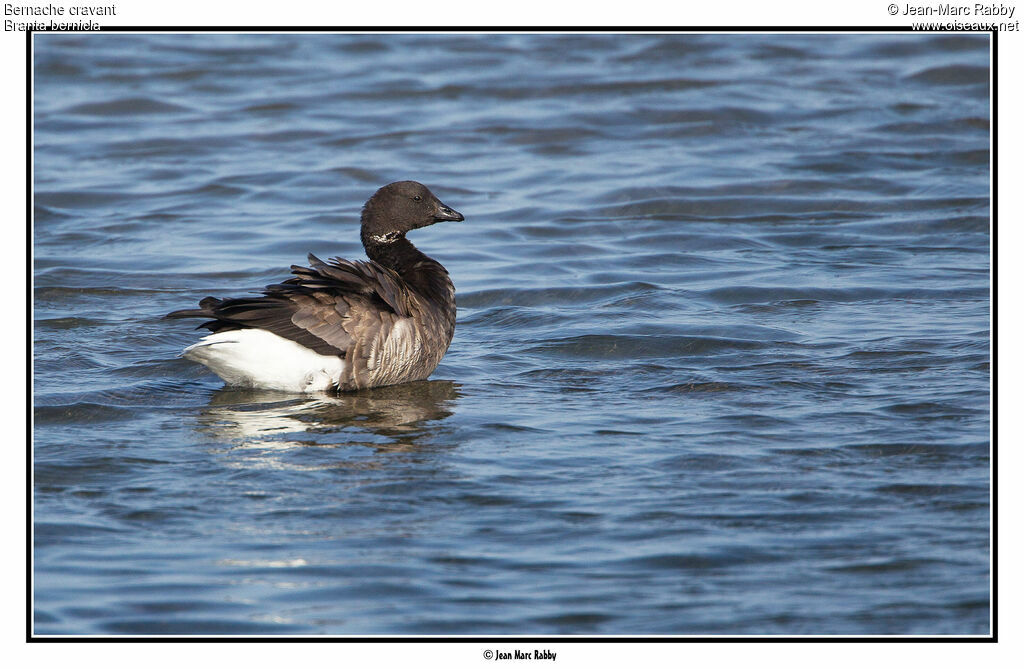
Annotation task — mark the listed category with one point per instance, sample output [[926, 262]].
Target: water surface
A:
[[721, 363]]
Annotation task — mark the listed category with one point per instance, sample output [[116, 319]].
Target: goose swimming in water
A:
[[341, 324]]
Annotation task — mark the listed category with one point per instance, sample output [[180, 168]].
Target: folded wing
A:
[[322, 307]]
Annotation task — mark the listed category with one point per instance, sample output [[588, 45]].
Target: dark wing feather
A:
[[321, 307]]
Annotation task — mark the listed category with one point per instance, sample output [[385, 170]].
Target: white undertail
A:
[[261, 359]]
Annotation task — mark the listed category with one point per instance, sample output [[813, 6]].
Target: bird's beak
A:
[[446, 213]]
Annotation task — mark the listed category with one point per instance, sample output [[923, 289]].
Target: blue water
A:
[[721, 363]]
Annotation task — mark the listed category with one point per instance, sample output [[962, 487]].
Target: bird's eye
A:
[[417, 198]]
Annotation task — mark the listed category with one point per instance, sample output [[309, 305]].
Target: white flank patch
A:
[[261, 359]]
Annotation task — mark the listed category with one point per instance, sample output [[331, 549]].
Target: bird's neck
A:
[[424, 274], [399, 255]]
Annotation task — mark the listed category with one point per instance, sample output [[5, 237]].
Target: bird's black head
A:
[[400, 207]]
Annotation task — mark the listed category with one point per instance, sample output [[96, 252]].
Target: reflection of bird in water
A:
[[273, 422]]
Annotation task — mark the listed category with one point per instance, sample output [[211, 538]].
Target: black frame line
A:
[[30, 637]]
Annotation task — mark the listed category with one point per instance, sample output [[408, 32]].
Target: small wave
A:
[[76, 199], [532, 297], [80, 413], [617, 347], [271, 107], [929, 490], [928, 409], [745, 295], [951, 127], [698, 387], [700, 561], [953, 75], [903, 449], [126, 107], [68, 323], [883, 567], [284, 136]]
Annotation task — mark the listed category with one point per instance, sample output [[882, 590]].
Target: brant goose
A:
[[341, 324]]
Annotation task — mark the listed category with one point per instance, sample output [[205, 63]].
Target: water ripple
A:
[[721, 362]]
